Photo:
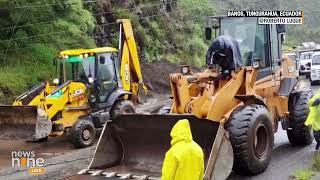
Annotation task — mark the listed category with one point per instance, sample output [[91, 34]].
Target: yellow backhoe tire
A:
[[299, 134], [83, 133], [251, 137], [122, 106]]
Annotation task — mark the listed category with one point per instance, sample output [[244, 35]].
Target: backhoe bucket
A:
[[134, 145], [24, 122]]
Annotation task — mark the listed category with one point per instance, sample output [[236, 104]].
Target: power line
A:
[[39, 35], [35, 42], [143, 7], [95, 14], [45, 5], [60, 32]]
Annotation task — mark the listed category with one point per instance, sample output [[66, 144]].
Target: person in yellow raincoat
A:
[[184, 160], [313, 118]]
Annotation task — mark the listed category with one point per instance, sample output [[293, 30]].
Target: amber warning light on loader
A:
[[28, 159], [271, 17]]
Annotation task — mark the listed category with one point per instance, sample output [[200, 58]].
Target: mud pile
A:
[[156, 75]]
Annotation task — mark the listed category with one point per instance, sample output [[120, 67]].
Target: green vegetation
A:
[[304, 174], [31, 33], [316, 163]]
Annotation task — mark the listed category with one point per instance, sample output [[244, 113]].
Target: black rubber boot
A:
[[316, 135]]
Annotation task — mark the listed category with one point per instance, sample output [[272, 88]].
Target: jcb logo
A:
[[126, 72], [78, 92], [28, 160]]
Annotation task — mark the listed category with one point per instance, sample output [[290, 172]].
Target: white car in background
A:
[[305, 63], [315, 68]]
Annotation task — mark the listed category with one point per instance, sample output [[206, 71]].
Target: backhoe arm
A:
[[130, 71]]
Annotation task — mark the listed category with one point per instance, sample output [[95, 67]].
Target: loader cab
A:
[[96, 68], [256, 42]]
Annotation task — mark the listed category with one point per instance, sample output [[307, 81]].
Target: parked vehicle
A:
[[315, 68], [305, 63]]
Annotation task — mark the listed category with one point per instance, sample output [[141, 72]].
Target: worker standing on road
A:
[[184, 160], [313, 118]]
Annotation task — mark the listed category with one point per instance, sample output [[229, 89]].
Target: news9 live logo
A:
[[27, 159]]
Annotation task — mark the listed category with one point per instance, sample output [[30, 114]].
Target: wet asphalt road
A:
[[285, 158]]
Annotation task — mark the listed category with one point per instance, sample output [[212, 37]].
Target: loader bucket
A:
[[24, 122], [136, 144]]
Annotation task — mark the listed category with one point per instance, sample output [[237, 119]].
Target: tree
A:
[[53, 23]]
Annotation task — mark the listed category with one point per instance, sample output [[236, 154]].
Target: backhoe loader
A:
[[233, 113], [92, 87]]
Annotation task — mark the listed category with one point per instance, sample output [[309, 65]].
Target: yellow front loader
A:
[[92, 87], [233, 112]]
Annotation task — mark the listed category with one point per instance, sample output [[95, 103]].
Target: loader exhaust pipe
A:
[[24, 122]]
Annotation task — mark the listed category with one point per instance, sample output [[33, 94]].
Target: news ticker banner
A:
[[271, 17]]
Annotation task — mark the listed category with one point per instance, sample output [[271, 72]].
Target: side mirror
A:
[[91, 80], [56, 81], [102, 60], [282, 38], [112, 57], [256, 63], [54, 61], [281, 28], [185, 69], [208, 33]]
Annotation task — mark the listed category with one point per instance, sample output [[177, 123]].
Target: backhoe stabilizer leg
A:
[[43, 125]]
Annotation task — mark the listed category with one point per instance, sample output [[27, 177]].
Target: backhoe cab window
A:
[[106, 70], [77, 68]]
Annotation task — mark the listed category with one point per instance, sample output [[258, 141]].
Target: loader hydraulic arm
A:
[[130, 71], [205, 99]]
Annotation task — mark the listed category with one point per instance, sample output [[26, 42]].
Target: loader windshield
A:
[[249, 35]]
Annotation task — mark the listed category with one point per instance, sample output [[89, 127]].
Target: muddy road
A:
[[62, 160]]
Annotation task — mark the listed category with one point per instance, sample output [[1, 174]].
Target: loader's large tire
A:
[[300, 134], [251, 137], [122, 107], [83, 133]]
